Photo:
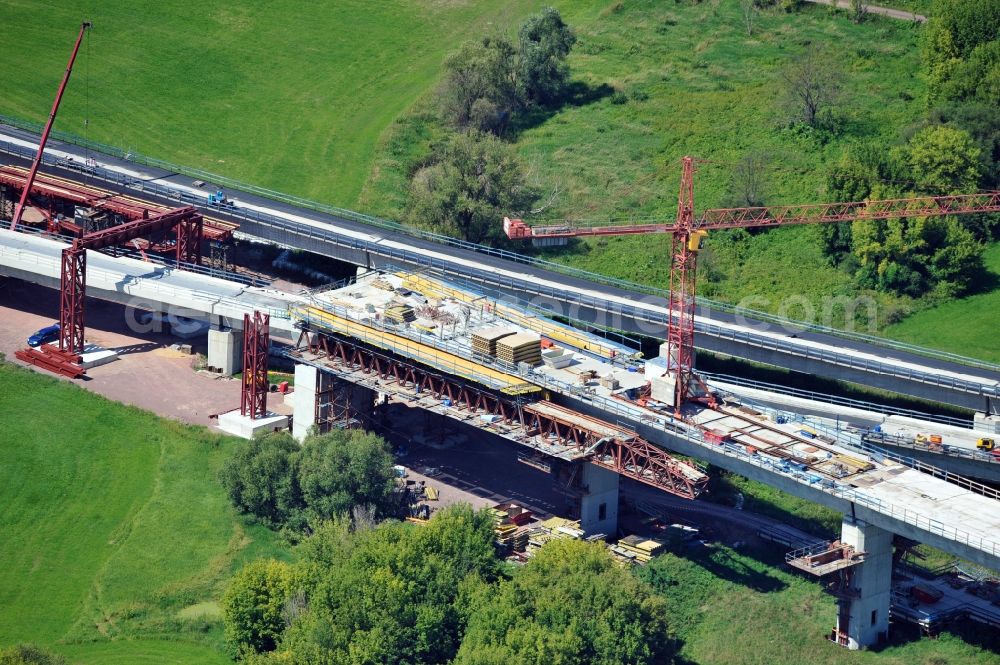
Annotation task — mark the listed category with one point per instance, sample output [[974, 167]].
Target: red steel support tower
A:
[[256, 339], [71, 297]]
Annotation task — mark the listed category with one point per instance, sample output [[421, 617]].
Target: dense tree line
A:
[[399, 594], [955, 150], [286, 485]]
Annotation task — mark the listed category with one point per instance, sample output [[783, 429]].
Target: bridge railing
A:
[[854, 439], [213, 303], [376, 222], [881, 409]]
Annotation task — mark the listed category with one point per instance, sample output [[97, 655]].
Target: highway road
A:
[[352, 237]]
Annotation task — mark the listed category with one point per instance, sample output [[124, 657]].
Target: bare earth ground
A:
[[147, 373]]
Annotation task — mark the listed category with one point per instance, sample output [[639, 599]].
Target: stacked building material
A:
[[520, 348], [399, 313], [637, 549], [484, 341], [382, 283], [510, 537]]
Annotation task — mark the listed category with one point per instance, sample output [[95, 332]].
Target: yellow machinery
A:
[[986, 444]]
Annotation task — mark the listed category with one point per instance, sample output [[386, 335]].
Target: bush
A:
[[281, 484], [253, 607]]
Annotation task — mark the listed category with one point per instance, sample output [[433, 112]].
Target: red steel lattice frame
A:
[[73, 278], [356, 357], [627, 455], [624, 452], [256, 340]]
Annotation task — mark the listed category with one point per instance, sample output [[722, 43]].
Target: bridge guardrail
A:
[[881, 409], [53, 266], [396, 227], [396, 256]]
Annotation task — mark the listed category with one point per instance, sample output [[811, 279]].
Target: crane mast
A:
[[19, 211]]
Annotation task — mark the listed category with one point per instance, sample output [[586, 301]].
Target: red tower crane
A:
[[19, 211], [688, 231]]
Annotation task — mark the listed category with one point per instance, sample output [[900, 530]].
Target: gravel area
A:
[[147, 374]]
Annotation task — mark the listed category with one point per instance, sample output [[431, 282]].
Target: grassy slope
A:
[[694, 83], [280, 94], [113, 522], [732, 609], [967, 326]]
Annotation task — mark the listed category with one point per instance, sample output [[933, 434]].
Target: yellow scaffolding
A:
[[428, 355]]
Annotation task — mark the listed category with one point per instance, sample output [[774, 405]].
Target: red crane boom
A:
[[688, 231], [19, 211]]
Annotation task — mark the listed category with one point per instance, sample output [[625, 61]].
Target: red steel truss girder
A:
[[406, 373], [625, 453], [187, 219], [643, 461], [72, 292], [631, 457], [92, 197], [66, 190], [256, 340]]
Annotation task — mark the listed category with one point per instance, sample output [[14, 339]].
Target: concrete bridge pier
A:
[[323, 400], [864, 598], [599, 502]]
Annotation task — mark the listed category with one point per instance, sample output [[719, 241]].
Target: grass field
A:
[[279, 94], [116, 535], [731, 607], [657, 81], [967, 326]]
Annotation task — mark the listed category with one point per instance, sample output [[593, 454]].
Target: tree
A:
[[29, 654], [571, 604], [748, 180], [474, 181], [858, 9], [812, 85], [544, 41], [479, 89], [944, 160], [261, 479], [488, 81], [343, 469], [253, 606], [394, 594], [960, 50]]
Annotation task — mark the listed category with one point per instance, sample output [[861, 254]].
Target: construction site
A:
[[424, 329]]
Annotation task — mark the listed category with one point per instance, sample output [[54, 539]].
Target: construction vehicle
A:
[[219, 199], [985, 444]]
